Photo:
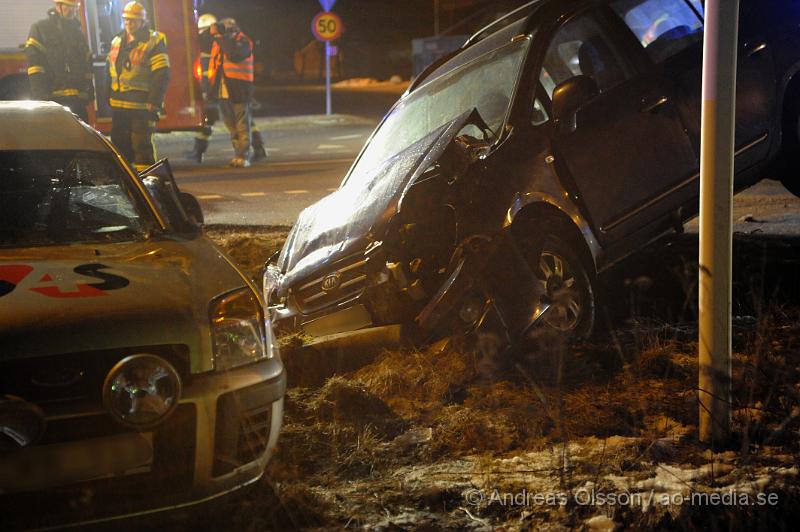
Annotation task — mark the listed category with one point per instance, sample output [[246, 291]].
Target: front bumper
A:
[[219, 439]]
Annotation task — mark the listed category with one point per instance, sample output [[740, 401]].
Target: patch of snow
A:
[[600, 523]]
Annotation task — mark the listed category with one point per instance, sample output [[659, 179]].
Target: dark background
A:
[[377, 37]]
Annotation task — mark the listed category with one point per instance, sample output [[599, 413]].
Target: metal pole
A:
[[716, 197], [327, 78]]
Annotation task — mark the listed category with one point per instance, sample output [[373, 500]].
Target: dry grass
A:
[[249, 247], [384, 445]]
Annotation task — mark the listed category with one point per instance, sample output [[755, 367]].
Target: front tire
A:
[[567, 284]]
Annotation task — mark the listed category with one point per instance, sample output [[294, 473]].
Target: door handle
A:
[[757, 49], [650, 105]]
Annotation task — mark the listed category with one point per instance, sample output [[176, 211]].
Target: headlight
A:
[[141, 391], [238, 330]]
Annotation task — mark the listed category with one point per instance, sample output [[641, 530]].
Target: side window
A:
[[698, 6], [539, 115], [581, 47], [663, 27]]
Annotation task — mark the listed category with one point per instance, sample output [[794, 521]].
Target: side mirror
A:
[[568, 97], [180, 210], [192, 207], [473, 148], [468, 150]]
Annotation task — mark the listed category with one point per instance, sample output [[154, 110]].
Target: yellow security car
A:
[[138, 371]]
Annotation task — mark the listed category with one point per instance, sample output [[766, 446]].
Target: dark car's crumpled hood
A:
[[92, 297], [346, 220]]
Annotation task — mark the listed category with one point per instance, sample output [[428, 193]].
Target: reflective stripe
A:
[[124, 104], [138, 77], [159, 61], [243, 70], [36, 44], [68, 92], [35, 70]]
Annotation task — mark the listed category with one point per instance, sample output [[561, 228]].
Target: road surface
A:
[[308, 157]]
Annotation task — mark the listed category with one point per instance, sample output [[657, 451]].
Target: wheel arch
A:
[[576, 230]]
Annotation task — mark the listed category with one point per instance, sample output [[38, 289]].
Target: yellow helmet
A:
[[71, 3], [134, 11], [206, 21]]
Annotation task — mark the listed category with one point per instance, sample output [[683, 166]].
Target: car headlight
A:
[[239, 330], [141, 391]]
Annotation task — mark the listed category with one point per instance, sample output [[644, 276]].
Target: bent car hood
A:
[[94, 297], [344, 221]]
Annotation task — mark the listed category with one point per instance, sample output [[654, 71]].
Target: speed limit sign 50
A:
[[326, 26]]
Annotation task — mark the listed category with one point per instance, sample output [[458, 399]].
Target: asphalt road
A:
[[308, 157]]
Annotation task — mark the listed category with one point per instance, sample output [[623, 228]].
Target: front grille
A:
[[254, 434], [351, 279], [166, 483], [75, 377], [243, 428]]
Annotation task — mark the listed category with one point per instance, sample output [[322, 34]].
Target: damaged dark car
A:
[[554, 143]]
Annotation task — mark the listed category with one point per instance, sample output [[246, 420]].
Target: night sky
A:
[[378, 33]]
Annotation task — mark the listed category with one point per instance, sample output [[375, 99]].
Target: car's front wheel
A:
[[566, 286]]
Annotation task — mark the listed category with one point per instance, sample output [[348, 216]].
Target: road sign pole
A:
[[716, 198], [327, 78], [327, 26]]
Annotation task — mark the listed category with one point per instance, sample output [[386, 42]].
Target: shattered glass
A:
[[55, 197]]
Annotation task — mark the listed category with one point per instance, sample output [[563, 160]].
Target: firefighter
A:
[[59, 61], [202, 138], [138, 67], [205, 42], [230, 78]]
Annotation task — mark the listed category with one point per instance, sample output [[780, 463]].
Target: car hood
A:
[[347, 220], [95, 297]]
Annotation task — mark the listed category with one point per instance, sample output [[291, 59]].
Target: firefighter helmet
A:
[[230, 24], [70, 3], [134, 11], [206, 21]]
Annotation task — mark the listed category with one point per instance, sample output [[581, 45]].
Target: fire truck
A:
[[102, 20]]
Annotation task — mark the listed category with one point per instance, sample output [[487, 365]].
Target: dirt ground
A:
[[594, 436]]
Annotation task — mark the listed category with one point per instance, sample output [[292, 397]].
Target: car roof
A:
[[32, 125]]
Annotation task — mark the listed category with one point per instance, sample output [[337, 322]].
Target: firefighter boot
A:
[[259, 152], [200, 147]]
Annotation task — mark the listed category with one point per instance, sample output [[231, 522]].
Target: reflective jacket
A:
[[138, 70], [232, 56], [59, 61]]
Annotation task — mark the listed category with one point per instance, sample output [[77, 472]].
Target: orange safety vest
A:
[[242, 71]]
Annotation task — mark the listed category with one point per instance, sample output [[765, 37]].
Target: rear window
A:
[[63, 197]]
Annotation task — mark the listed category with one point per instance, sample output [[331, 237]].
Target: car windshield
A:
[[486, 84], [63, 197]]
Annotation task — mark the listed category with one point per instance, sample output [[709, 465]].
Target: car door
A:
[[628, 149], [670, 33]]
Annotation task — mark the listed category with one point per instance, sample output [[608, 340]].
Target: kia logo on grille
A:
[[331, 282]]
